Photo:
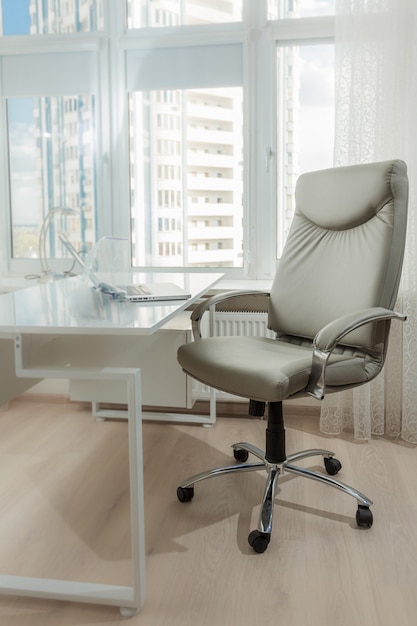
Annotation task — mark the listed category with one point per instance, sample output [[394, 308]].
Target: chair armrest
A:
[[331, 334], [207, 303]]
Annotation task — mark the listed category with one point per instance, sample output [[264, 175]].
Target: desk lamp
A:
[[50, 217]]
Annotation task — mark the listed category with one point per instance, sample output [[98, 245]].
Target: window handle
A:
[[269, 153]]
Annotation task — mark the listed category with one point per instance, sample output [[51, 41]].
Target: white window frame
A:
[[109, 50], [28, 50]]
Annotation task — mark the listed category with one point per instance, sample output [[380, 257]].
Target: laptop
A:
[[149, 292]]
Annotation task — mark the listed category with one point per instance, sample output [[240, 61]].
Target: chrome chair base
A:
[[260, 538]]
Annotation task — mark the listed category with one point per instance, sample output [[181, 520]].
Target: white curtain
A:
[[376, 119]]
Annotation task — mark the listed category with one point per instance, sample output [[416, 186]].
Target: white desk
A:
[[62, 330], [70, 306]]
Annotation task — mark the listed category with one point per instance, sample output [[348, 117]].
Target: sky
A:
[[315, 7], [16, 20]]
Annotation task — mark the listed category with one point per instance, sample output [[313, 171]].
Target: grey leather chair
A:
[[331, 305]]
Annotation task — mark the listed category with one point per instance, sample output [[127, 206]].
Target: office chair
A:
[[330, 305]]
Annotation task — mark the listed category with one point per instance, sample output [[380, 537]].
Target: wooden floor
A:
[[64, 512]]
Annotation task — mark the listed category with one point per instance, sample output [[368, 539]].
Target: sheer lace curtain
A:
[[376, 119]]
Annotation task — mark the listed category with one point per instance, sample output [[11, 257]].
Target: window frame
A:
[[258, 38], [28, 46]]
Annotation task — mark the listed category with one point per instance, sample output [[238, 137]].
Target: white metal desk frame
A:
[[207, 421], [102, 413], [129, 598]]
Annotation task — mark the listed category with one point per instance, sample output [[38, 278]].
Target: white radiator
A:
[[247, 323]]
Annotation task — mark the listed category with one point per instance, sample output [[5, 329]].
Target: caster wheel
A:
[[241, 455], [259, 541], [185, 494], [332, 465], [364, 516]]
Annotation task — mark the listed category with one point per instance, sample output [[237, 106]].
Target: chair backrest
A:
[[344, 251]]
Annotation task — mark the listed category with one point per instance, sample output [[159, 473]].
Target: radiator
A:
[[247, 323]]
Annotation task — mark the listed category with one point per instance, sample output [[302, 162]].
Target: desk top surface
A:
[[72, 306]]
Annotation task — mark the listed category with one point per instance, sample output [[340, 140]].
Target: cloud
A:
[[23, 174], [308, 8], [316, 66]]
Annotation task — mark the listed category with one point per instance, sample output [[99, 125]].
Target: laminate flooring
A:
[[64, 512]]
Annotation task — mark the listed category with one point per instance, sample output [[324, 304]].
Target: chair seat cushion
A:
[[262, 369]]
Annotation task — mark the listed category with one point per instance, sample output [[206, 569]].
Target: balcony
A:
[[212, 183], [210, 112], [209, 209], [214, 257], [210, 137], [211, 233], [199, 158]]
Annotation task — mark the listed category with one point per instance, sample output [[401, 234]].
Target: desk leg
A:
[[101, 414], [136, 494], [128, 598]]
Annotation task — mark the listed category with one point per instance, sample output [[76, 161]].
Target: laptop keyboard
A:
[[137, 290]]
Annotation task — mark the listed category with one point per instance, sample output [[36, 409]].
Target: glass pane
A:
[[306, 120], [186, 178], [142, 13], [52, 164], [281, 9], [27, 17]]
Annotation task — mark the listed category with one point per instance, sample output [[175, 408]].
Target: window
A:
[[187, 174], [51, 164], [299, 8], [179, 124], [305, 95], [182, 12], [50, 110]]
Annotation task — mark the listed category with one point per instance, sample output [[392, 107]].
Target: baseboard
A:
[[201, 407], [238, 409]]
